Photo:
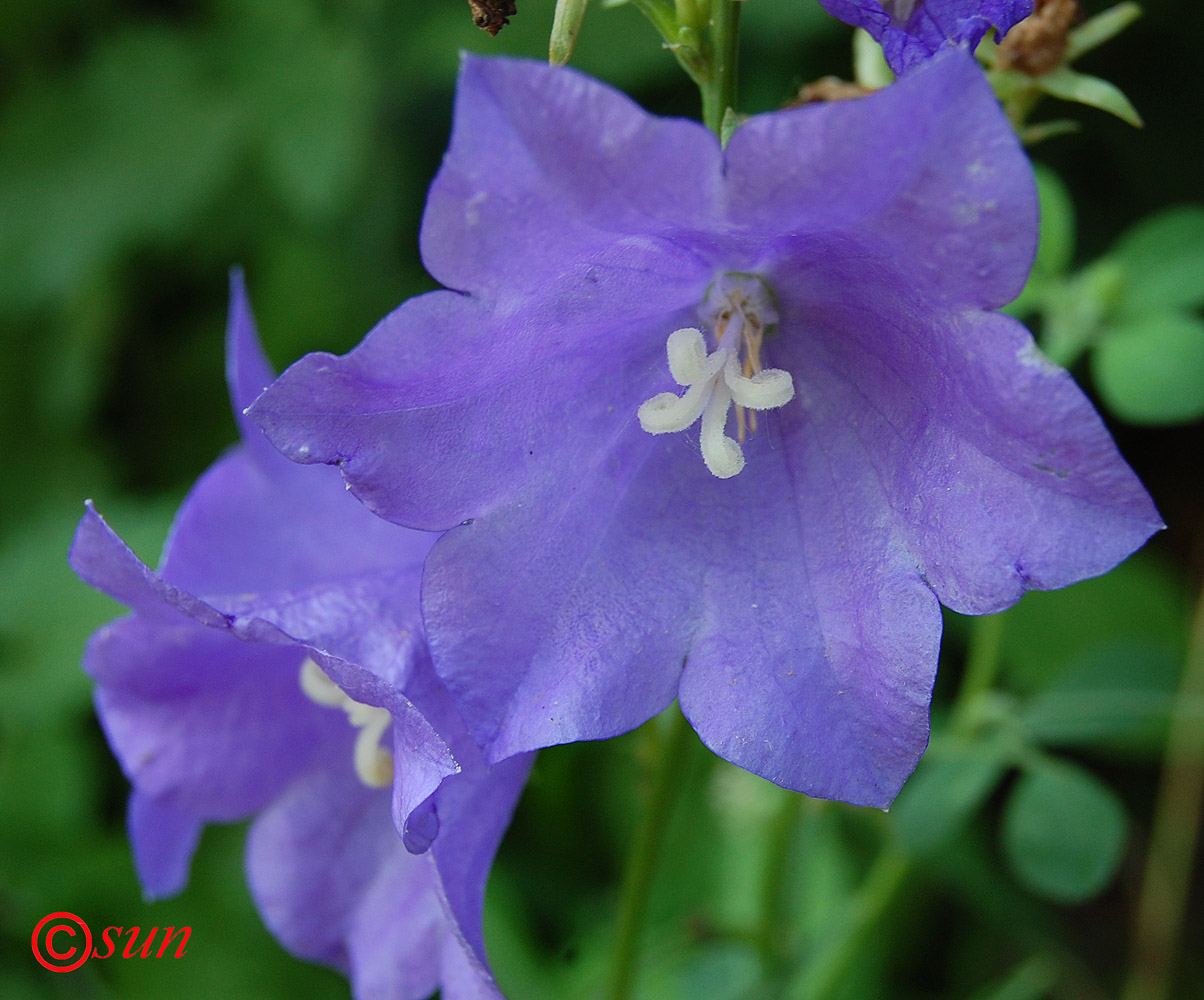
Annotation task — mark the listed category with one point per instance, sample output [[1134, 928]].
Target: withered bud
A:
[[492, 15], [829, 88], [1037, 44]]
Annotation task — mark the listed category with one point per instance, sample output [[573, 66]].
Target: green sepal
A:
[[732, 120], [870, 68]]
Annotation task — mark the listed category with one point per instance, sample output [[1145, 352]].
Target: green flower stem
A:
[[826, 967], [771, 934], [719, 85], [823, 971], [1174, 834], [664, 19], [982, 664], [638, 874]]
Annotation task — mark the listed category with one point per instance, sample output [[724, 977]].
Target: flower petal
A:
[[566, 616], [164, 839], [546, 164], [814, 657], [448, 409], [995, 466], [475, 809], [926, 173], [334, 883]]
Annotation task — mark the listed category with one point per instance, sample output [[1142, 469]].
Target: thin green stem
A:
[[770, 936], [664, 19], [645, 853], [825, 969], [719, 86], [982, 664], [1174, 834]]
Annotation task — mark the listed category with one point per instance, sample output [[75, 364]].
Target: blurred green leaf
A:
[[1162, 258], [128, 148], [1070, 85], [1099, 29], [40, 674], [1030, 980], [1056, 248], [1063, 831], [1118, 695], [1150, 369], [952, 780], [1076, 307], [1049, 630], [307, 99]]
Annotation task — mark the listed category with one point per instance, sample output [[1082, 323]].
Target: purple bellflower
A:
[[619, 279], [911, 31], [275, 695]]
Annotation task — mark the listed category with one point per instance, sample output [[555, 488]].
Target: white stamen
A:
[[373, 764], [723, 456], [714, 381]]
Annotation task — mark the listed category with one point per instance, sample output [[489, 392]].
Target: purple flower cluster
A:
[[720, 426]]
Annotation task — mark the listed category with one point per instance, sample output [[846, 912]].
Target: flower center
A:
[[738, 309], [373, 764]]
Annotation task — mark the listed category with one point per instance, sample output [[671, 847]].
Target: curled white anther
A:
[[690, 366], [373, 764], [687, 350], [765, 390]]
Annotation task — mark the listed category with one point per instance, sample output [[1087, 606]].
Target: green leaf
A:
[[1063, 831], [1162, 259], [1049, 630], [1099, 29], [1119, 695], [952, 780], [1056, 249], [1076, 307], [1150, 369], [308, 98], [1032, 979], [1030, 135], [1070, 85]]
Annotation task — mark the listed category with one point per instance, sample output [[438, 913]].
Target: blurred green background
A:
[[146, 147]]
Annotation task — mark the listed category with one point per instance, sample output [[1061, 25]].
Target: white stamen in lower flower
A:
[[373, 764], [715, 380]]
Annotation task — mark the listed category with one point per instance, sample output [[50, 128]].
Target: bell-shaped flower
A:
[[275, 667], [818, 300], [912, 31]]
